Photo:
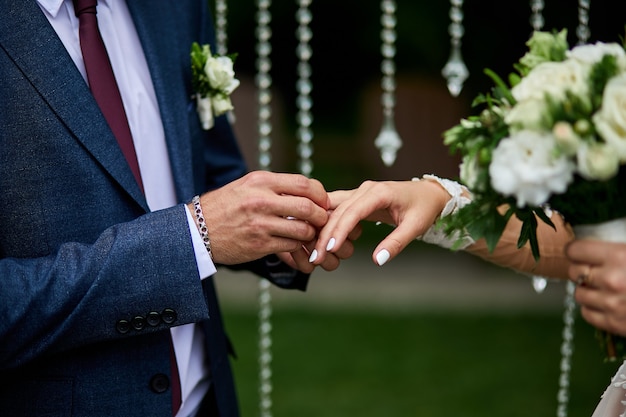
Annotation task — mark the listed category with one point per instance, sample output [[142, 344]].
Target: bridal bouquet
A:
[[213, 80], [552, 136], [555, 136]]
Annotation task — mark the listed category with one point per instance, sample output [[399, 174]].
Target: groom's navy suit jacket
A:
[[90, 282]]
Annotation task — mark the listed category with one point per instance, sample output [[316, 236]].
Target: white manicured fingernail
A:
[[331, 244], [313, 256], [382, 257]]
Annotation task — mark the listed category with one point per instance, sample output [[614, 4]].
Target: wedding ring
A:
[[583, 277]]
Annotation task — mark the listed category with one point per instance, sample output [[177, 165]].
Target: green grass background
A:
[[386, 364]]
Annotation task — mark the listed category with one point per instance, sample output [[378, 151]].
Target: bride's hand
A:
[[600, 269], [412, 206]]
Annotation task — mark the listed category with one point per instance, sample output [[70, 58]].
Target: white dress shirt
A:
[[133, 78]]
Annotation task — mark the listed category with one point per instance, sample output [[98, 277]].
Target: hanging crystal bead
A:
[[388, 140], [221, 37], [536, 18], [263, 82], [567, 350], [567, 347], [539, 284], [304, 88], [537, 22], [221, 20], [455, 71], [582, 31]]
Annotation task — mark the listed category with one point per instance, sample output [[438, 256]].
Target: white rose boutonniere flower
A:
[[213, 81]]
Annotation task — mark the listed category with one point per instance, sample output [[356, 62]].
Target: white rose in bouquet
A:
[[526, 167], [592, 54], [527, 114], [566, 138], [610, 119], [597, 161], [553, 79]]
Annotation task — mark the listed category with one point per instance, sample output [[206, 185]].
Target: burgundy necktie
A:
[[102, 80], [176, 392], [106, 92]]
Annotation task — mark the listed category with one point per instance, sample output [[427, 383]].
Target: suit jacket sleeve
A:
[[79, 294]]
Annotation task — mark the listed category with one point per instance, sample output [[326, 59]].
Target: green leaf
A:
[[504, 89], [541, 213], [488, 225]]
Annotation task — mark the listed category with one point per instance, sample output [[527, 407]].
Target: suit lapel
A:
[[60, 84], [159, 31]]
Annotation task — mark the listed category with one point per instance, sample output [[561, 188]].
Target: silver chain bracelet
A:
[[202, 227]]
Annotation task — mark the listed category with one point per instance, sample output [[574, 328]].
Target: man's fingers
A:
[[292, 184], [301, 260], [294, 207]]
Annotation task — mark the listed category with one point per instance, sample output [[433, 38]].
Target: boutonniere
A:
[[213, 80]]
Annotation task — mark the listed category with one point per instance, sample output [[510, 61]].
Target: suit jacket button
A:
[[153, 318], [159, 383], [138, 323], [169, 316], [122, 326]]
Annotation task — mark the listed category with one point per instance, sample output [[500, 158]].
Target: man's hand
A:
[[264, 213]]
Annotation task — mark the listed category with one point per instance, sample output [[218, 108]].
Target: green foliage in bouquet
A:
[[488, 213]]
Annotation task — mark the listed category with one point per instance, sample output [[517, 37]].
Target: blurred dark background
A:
[[346, 76], [433, 333]]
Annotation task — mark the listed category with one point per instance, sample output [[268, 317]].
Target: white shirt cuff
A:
[[206, 267]]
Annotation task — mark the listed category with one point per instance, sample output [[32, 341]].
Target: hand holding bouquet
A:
[[553, 137]]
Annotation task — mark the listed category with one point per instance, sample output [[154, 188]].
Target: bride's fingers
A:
[[338, 197], [344, 221], [344, 251], [408, 230], [330, 261], [333, 236], [604, 320], [356, 232]]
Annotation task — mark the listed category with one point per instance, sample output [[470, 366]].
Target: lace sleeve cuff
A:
[[436, 235]]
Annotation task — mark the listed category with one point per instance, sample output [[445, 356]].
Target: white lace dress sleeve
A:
[[436, 235], [613, 401]]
